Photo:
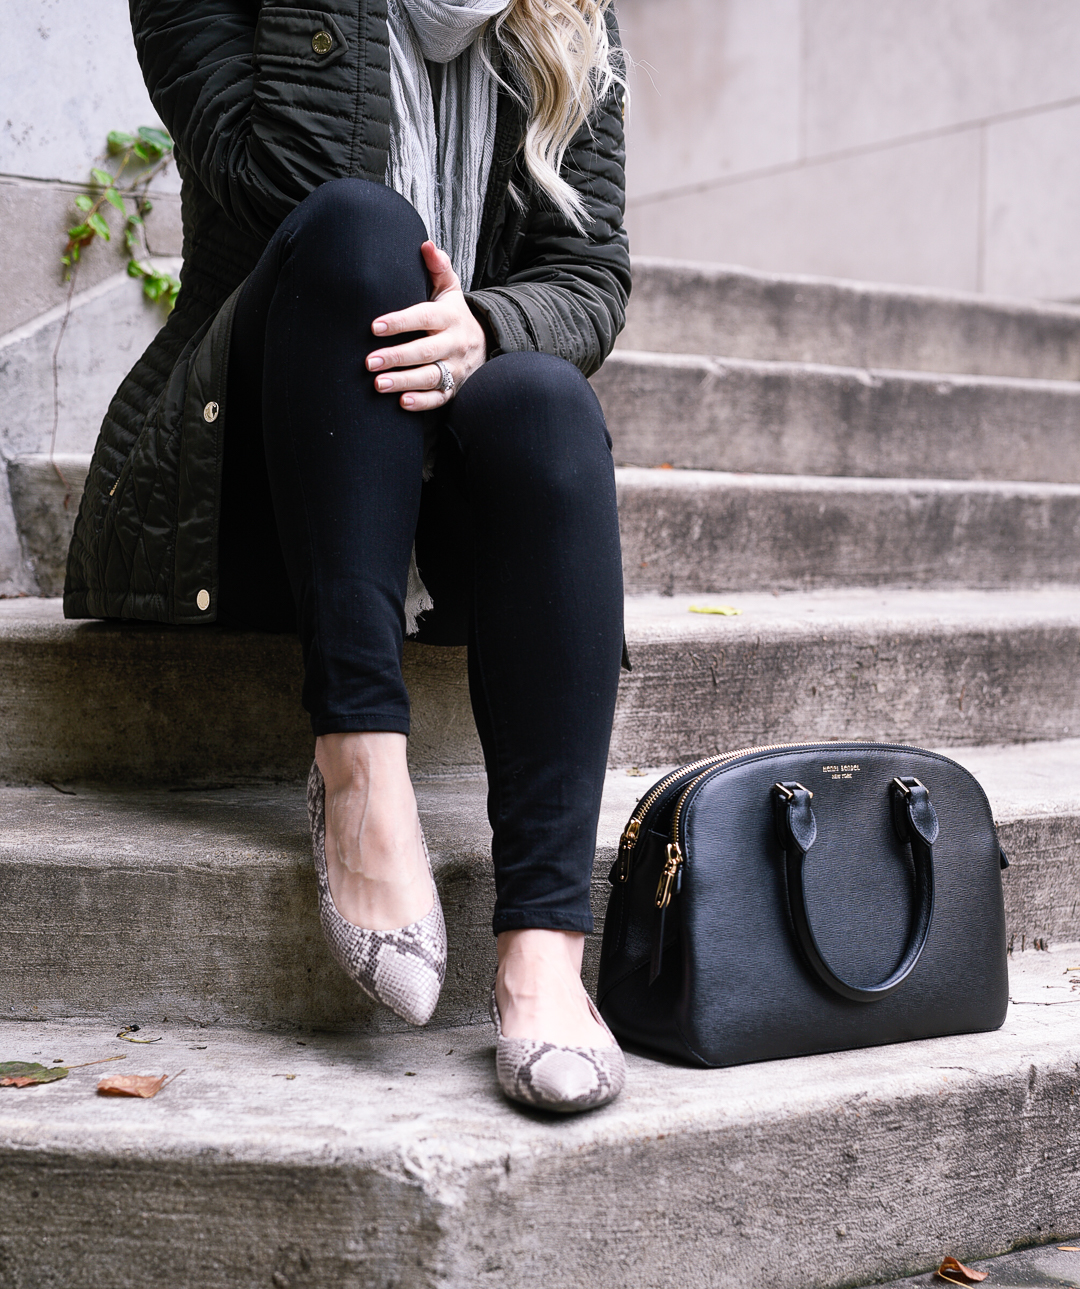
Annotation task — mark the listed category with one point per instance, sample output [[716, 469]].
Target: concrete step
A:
[[1055, 1264], [711, 531], [354, 1160], [125, 702], [681, 307], [199, 905], [45, 495], [706, 413]]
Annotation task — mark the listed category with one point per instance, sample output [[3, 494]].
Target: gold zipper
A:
[[628, 840], [629, 837], [728, 756], [667, 877], [674, 851]]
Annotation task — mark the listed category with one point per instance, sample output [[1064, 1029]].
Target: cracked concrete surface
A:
[[394, 1161]]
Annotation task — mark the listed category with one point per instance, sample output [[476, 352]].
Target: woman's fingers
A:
[[428, 377], [419, 388], [454, 337], [421, 402], [430, 316], [443, 277], [415, 353]]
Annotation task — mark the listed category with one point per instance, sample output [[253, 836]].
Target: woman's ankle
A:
[[532, 949], [539, 992], [358, 758], [371, 816], [378, 874]]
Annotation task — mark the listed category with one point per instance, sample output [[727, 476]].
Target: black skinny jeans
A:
[[516, 534]]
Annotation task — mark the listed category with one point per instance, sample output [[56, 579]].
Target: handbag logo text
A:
[[840, 771]]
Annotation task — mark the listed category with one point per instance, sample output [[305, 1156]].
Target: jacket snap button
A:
[[210, 412], [322, 42], [203, 601]]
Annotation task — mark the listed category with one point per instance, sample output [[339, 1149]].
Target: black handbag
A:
[[807, 898]]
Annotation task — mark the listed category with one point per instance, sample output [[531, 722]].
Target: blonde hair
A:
[[562, 65]]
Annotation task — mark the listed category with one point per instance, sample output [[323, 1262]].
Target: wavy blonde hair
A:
[[562, 64]]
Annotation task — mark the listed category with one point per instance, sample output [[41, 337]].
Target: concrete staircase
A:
[[901, 543]]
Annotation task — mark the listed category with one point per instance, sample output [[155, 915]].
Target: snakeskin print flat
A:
[[402, 969], [564, 1079]]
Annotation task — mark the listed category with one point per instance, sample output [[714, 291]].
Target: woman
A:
[[330, 435]]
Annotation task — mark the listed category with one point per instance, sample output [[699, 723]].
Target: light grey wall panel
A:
[[1033, 206], [907, 215], [715, 88], [70, 76], [888, 68]]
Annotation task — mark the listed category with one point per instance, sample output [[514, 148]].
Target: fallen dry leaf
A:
[[957, 1274], [27, 1074], [721, 610], [133, 1085], [1068, 1248]]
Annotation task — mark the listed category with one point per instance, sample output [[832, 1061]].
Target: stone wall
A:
[[925, 142], [70, 76]]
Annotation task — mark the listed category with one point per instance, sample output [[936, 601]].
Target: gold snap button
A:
[[203, 601], [322, 42], [210, 411]]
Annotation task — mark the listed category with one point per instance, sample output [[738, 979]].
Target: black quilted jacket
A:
[[260, 119]]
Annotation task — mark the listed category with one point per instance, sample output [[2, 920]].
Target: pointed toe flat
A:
[[403, 969], [563, 1079]]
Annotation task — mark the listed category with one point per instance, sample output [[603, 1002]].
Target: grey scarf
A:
[[442, 118]]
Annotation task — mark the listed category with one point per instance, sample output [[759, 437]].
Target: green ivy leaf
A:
[[102, 177], [80, 232], [142, 152], [83, 201], [114, 199], [157, 139], [146, 206], [118, 141], [98, 224], [135, 269], [134, 219]]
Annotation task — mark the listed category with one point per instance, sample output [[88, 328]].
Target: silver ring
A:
[[447, 382]]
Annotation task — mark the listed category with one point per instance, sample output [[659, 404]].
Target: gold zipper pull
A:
[[668, 876], [626, 844]]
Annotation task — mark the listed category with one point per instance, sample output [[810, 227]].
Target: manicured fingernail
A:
[[379, 328], [407, 401], [375, 362], [384, 383]]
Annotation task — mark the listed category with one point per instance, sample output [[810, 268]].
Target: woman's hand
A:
[[454, 337]]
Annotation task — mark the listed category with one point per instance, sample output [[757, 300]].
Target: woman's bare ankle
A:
[[374, 856], [539, 991]]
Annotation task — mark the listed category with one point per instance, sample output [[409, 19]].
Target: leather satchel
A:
[[808, 898]]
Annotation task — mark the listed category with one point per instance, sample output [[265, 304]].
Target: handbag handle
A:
[[916, 823]]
